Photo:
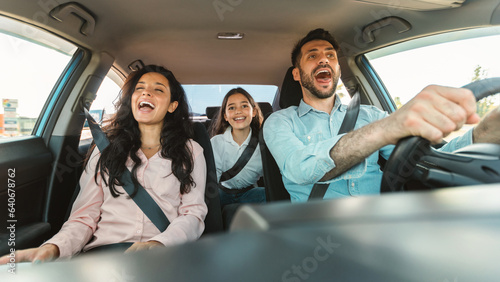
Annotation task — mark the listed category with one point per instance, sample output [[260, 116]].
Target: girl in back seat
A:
[[236, 150]]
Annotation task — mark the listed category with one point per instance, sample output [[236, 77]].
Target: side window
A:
[[32, 62], [453, 59], [103, 106]]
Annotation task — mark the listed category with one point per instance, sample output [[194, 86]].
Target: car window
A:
[[32, 62], [452, 59]]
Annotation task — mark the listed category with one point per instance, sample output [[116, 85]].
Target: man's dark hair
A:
[[317, 34]]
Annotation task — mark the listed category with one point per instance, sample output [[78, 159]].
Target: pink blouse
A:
[[111, 220]]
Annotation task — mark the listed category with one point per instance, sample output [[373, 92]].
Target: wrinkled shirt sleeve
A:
[[85, 213]]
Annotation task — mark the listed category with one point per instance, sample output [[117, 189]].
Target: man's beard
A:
[[308, 83]]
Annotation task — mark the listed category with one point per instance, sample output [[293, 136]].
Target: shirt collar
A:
[[228, 137], [304, 108]]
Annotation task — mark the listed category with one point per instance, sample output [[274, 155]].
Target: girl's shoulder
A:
[[225, 136], [218, 137]]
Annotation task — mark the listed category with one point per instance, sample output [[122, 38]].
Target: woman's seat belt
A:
[[142, 197]]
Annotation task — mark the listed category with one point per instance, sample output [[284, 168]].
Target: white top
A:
[[227, 152]]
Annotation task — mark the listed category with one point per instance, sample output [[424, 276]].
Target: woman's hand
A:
[[139, 246], [44, 253]]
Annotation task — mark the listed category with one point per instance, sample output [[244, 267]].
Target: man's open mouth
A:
[[323, 76]]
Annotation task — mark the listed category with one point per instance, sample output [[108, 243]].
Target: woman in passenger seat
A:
[[236, 128], [149, 135]]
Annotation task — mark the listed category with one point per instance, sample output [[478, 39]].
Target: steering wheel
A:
[[414, 159]]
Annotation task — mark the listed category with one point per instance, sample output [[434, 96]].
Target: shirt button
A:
[[352, 184], [309, 138], [138, 231]]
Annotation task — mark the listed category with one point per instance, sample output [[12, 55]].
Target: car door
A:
[[46, 81]]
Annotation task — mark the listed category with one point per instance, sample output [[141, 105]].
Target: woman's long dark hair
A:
[[220, 124], [125, 137]]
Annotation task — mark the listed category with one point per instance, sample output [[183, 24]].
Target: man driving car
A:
[[305, 143]]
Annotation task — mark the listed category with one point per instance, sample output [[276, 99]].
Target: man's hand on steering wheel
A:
[[440, 117], [433, 114]]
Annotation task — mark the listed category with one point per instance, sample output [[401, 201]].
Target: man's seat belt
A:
[[242, 160], [319, 189], [142, 197]]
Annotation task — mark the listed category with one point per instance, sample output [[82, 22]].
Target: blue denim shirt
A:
[[300, 139]]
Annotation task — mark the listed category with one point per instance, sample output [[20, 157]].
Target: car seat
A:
[[211, 113], [213, 220], [290, 95]]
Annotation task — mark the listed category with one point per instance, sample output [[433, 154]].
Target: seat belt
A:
[[319, 189], [142, 197], [242, 160]]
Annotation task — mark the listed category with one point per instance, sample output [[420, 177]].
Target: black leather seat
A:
[[265, 108], [211, 112], [213, 220], [291, 92], [290, 95]]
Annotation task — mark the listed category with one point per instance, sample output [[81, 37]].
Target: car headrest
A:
[[291, 92], [265, 108], [211, 112]]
